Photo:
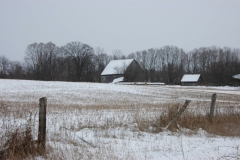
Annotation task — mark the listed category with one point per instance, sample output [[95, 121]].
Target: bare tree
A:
[[101, 57], [82, 57], [152, 63], [16, 70], [132, 56], [118, 54], [50, 51], [142, 60], [31, 59], [41, 60], [101, 60], [4, 66]]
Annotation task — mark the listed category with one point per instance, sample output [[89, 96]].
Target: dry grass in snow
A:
[[107, 121]]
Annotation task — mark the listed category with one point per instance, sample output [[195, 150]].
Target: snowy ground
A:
[[105, 116]]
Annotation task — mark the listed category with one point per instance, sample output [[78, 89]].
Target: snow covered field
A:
[[107, 116]]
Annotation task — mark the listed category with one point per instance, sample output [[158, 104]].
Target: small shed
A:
[[127, 70], [236, 80], [191, 80]]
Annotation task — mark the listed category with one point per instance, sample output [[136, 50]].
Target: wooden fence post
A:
[[42, 123], [212, 107], [187, 102]]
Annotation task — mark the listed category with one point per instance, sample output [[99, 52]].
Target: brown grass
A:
[[155, 125], [224, 124], [18, 142], [145, 117], [20, 145]]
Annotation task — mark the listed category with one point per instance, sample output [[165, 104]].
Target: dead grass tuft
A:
[[156, 125], [20, 145]]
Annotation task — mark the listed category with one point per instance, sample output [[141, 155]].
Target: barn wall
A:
[[134, 73], [189, 83], [110, 78], [236, 82]]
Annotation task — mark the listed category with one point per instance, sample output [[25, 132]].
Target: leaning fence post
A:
[[179, 113], [42, 123], [212, 107]]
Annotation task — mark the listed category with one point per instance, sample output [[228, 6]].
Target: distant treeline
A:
[[80, 62]]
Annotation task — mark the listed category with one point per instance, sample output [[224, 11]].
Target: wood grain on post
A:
[[187, 102], [212, 108], [42, 123]]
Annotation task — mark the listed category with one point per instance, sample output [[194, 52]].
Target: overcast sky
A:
[[127, 25]]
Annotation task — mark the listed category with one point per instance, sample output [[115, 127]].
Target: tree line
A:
[[76, 61]]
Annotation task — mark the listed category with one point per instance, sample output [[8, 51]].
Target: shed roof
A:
[[112, 65], [237, 76], [190, 78]]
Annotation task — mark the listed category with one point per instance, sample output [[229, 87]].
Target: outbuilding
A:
[[127, 70], [191, 80]]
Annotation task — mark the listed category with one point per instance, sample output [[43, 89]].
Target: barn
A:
[[127, 70], [191, 80]]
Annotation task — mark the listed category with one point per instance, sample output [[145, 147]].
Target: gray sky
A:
[[128, 25]]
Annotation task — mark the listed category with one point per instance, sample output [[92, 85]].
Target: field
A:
[[110, 121]]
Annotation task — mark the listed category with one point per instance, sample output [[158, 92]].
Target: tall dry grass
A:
[[225, 123], [64, 119], [20, 145], [17, 133]]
